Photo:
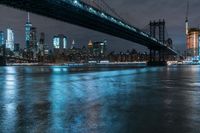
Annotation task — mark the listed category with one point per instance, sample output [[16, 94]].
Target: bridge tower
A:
[[157, 30], [158, 27]]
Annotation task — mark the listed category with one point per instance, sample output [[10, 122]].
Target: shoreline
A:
[[78, 67], [80, 64]]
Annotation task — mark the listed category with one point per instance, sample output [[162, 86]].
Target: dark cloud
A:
[[137, 12]]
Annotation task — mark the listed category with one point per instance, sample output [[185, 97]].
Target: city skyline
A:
[[103, 66], [82, 36]]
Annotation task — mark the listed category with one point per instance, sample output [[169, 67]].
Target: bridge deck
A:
[[75, 12]]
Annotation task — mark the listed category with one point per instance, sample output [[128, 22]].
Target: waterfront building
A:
[[10, 39], [1, 38], [192, 39], [60, 43], [28, 27], [193, 42]]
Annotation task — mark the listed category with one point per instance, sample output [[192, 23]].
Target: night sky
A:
[[137, 12]]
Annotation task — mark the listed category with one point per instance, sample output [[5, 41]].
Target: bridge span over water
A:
[[82, 14]]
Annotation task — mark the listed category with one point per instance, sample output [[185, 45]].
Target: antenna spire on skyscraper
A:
[[29, 17], [186, 19]]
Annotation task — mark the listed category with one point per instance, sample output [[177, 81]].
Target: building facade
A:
[[193, 42], [97, 50], [10, 40], [33, 39], [90, 47], [41, 44], [60, 43], [16, 47], [28, 26], [1, 38]]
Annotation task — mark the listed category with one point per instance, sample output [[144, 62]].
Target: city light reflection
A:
[[95, 101], [10, 92]]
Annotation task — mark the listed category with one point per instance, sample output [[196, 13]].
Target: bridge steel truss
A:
[[77, 12]]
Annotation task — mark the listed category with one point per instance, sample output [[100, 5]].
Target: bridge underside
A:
[[63, 11]]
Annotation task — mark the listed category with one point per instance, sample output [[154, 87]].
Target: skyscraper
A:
[[43, 47], [193, 42], [60, 43], [90, 47], [73, 44], [10, 40], [33, 39], [1, 38], [42, 38], [42, 43], [16, 47], [28, 26], [99, 48], [192, 37]]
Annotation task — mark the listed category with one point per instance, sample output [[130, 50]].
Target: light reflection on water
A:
[[51, 99]]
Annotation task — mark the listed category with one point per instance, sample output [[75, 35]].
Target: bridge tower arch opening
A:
[[157, 30]]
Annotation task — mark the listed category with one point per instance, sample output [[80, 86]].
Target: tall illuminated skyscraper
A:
[[192, 37], [10, 40], [28, 27], [1, 38], [193, 42], [60, 43]]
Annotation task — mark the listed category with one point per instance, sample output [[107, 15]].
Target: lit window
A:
[[56, 43], [64, 42]]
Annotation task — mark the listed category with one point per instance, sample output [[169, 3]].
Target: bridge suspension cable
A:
[[146, 29], [104, 6]]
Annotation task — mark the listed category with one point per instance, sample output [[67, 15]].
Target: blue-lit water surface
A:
[[144, 100]]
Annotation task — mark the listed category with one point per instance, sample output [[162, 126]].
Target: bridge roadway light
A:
[[92, 10], [132, 28], [75, 2], [103, 15]]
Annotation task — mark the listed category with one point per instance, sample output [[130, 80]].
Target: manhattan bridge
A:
[[99, 16]]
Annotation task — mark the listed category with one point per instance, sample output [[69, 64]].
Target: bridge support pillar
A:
[[163, 55], [156, 58], [159, 55], [150, 55], [154, 55], [3, 56]]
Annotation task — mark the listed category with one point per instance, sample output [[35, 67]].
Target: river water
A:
[[144, 100]]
